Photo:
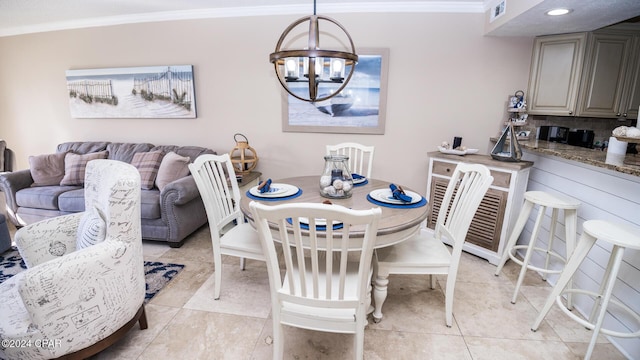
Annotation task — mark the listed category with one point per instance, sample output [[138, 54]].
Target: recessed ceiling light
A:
[[556, 12]]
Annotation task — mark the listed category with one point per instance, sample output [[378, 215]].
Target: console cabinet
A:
[[499, 209]]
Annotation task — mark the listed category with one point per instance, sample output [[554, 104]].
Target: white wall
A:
[[445, 79]]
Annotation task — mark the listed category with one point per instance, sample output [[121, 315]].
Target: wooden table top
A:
[[395, 224]]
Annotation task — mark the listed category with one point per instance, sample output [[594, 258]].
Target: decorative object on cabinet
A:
[[359, 109], [243, 156], [507, 148], [496, 216], [517, 110], [132, 92], [313, 60]]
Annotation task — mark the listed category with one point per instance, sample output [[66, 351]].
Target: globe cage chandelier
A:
[[313, 61]]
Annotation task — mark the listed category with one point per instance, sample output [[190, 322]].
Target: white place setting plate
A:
[[457, 152], [386, 196], [319, 222], [275, 190], [359, 181]]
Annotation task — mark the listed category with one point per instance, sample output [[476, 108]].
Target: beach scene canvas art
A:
[[359, 108], [132, 92]]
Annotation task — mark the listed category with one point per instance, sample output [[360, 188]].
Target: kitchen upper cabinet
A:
[[556, 67], [594, 74], [606, 68], [632, 85]]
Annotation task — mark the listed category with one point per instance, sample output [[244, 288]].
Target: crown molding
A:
[[229, 12]]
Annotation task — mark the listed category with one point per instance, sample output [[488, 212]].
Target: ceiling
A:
[[32, 16]]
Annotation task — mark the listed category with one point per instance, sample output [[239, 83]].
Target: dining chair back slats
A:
[[360, 156], [215, 178], [326, 282], [425, 253]]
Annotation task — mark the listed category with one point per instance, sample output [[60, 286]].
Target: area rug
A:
[[157, 274]]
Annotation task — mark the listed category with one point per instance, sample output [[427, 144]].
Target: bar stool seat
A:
[[544, 200], [622, 237]]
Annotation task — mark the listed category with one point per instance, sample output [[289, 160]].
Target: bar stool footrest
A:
[[532, 267], [591, 326]]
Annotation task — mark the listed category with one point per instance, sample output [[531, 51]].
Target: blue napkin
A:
[[264, 186], [355, 176], [399, 194]]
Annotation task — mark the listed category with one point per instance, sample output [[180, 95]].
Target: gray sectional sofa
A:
[[170, 214]]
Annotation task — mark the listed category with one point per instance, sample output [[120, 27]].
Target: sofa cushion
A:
[[172, 167], [42, 197], [147, 164], [126, 151], [75, 165], [82, 147], [47, 169], [92, 229], [192, 152], [71, 201], [150, 204]]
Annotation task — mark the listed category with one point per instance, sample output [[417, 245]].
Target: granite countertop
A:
[[628, 164]]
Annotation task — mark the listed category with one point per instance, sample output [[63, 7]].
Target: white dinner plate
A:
[[319, 222], [275, 190], [386, 196], [359, 181], [457, 152]]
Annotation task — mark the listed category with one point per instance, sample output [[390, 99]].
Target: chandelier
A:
[[318, 69]]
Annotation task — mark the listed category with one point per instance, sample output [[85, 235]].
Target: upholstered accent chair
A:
[[84, 286]]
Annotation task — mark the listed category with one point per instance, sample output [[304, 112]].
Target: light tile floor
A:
[[186, 323]]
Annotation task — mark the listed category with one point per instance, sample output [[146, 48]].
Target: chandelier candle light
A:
[[317, 66]]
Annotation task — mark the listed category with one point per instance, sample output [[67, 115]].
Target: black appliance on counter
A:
[[582, 138], [554, 133]]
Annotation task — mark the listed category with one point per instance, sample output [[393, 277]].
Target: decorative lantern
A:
[[336, 180], [243, 156]]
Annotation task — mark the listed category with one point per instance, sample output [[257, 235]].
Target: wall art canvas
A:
[[132, 92], [359, 109]]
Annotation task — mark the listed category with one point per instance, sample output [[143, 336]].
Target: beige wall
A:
[[445, 79]]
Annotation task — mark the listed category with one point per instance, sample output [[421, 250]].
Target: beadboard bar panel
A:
[[606, 195]]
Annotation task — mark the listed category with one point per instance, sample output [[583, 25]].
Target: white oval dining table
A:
[[395, 225]]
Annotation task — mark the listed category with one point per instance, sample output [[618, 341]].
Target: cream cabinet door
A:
[[554, 80], [606, 64], [631, 96]]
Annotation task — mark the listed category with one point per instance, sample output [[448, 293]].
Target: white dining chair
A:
[[318, 292], [360, 156], [230, 234], [425, 253]]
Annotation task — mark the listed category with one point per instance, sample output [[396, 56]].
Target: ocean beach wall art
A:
[[360, 107], [132, 92]]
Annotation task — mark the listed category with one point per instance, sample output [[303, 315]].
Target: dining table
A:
[[397, 223]]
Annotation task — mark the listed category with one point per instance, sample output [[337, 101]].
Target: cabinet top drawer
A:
[[500, 178]]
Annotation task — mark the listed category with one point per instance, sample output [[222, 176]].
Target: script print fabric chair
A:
[[425, 253], [360, 156], [76, 298], [230, 234], [318, 292]]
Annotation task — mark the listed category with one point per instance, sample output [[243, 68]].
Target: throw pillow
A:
[[75, 166], [172, 167], [92, 229], [148, 164], [47, 169]]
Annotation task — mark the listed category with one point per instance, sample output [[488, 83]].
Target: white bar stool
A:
[[544, 200], [622, 237]]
